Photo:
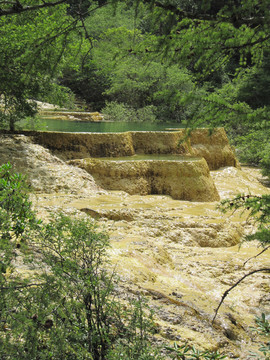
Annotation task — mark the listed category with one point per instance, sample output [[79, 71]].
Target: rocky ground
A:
[[180, 255]]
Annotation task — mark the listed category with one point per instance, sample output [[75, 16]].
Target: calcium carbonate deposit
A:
[[181, 255]]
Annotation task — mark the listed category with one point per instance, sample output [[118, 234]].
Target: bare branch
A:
[[253, 257], [18, 8], [88, 37], [234, 285], [252, 43]]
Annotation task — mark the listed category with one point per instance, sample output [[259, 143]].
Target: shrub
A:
[[16, 214]]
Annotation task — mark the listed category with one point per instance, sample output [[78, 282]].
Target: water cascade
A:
[[214, 147], [183, 178]]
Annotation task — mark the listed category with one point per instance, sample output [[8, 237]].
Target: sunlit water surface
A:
[[47, 124]]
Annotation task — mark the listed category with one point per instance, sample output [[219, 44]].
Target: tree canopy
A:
[[201, 63]]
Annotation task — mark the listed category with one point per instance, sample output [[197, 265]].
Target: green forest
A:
[[197, 63]]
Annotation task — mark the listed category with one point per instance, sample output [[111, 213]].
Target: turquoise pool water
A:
[[86, 126]]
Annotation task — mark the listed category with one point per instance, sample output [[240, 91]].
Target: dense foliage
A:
[[16, 214], [199, 63], [32, 45]]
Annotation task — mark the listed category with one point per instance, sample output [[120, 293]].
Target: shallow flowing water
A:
[[181, 255]]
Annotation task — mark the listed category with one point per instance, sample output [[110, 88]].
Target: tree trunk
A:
[[12, 125]]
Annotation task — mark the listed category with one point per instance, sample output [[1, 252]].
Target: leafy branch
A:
[[259, 211], [240, 20]]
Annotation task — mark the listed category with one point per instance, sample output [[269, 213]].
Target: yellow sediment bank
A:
[[187, 179], [72, 115], [213, 147]]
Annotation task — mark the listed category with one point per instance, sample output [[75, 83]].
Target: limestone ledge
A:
[[183, 180], [72, 115], [214, 147]]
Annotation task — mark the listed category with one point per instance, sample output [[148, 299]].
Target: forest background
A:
[[198, 63]]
